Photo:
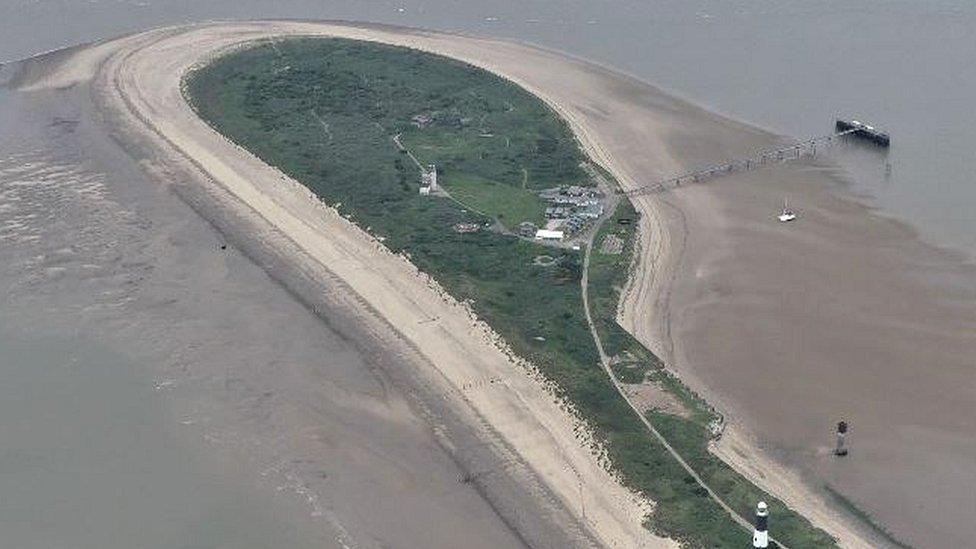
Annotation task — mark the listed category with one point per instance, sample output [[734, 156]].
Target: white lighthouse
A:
[[429, 177], [760, 537]]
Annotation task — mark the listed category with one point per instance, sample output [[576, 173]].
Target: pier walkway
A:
[[791, 152]]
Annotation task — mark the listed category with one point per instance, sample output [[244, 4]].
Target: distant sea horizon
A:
[[788, 66]]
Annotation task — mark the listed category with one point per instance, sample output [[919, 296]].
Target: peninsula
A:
[[465, 194]]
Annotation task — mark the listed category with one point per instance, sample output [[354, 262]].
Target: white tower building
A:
[[760, 537], [432, 176], [428, 179]]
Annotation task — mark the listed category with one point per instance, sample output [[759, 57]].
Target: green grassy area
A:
[[510, 205], [608, 276], [682, 500], [690, 436], [325, 110]]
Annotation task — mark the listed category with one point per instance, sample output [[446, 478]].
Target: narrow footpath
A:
[[605, 362]]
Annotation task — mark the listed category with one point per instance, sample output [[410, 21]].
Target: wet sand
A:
[[844, 314], [521, 449], [312, 413], [783, 327], [841, 315]]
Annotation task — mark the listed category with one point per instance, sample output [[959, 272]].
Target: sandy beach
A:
[[786, 329], [138, 81]]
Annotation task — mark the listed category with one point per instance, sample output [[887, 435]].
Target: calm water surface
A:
[[91, 454], [89, 459]]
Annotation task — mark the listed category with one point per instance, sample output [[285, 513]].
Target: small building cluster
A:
[[571, 209], [558, 212], [571, 194]]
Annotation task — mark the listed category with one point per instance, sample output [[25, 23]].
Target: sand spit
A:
[[300, 418], [720, 290], [138, 79]]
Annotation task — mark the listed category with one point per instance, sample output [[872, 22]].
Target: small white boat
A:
[[787, 214]]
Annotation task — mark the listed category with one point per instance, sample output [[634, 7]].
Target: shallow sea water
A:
[[88, 478], [789, 65], [90, 459]]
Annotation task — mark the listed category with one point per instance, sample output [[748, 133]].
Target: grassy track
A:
[[325, 111], [510, 205]]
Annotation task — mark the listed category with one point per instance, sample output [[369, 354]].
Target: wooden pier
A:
[[792, 152]]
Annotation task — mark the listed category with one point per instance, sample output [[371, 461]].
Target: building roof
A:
[[547, 234]]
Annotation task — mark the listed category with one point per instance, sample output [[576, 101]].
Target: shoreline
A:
[[565, 460], [657, 223], [590, 144], [865, 199], [303, 416]]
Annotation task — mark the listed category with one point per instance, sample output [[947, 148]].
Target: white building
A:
[[428, 178], [545, 234]]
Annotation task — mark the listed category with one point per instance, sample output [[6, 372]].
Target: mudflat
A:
[[251, 417], [787, 328], [790, 328], [842, 315], [530, 458]]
